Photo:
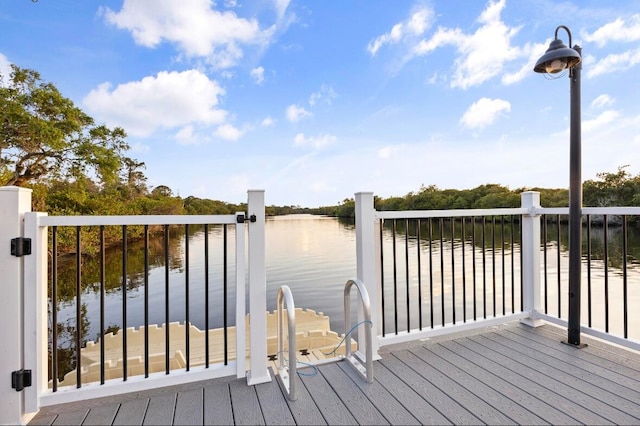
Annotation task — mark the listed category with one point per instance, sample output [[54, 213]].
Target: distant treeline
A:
[[609, 189]]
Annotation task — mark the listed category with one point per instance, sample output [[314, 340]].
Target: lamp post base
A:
[[578, 346]]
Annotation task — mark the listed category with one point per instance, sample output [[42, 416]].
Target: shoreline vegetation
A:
[[77, 167]]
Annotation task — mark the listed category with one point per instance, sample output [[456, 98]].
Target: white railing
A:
[[369, 248], [24, 278], [25, 331]]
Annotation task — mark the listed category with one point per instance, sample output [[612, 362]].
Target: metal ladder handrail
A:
[[367, 370], [287, 372]]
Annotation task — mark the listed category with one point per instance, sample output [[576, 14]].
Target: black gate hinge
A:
[[242, 219], [20, 246], [20, 379]]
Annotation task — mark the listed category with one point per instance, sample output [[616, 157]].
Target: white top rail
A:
[[137, 220], [425, 214], [422, 214]]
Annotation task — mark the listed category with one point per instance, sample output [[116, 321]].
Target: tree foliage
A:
[[44, 135]]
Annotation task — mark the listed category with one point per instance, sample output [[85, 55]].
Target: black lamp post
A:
[[558, 58]]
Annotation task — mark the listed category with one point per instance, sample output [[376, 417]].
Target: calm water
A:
[[315, 256]]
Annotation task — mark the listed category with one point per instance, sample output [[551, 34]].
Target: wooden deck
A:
[[510, 374]]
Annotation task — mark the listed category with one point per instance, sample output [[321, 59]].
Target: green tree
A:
[[44, 135]]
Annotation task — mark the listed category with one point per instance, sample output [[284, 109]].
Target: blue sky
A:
[[314, 101]]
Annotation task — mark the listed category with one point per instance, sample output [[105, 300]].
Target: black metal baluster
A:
[[419, 274], [124, 303], [166, 299], [187, 326], [382, 294], [606, 273], [513, 268], [225, 287], [206, 295], [546, 263], [484, 268], [102, 294], [589, 269], [559, 269], [521, 270], [78, 309], [146, 301], [431, 271], [395, 278], [504, 276], [493, 261], [406, 268], [464, 274], [453, 271], [473, 266], [54, 307], [441, 233], [625, 299]]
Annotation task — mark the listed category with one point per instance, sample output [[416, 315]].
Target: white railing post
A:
[[14, 203], [530, 252], [241, 303], [35, 311], [259, 372], [366, 244]]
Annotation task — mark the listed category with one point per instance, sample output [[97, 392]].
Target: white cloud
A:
[[387, 151], [618, 30], [168, 100], [5, 70], [419, 21], [484, 112], [317, 142], [258, 75], [533, 51], [296, 113], [268, 122], [481, 55], [185, 136], [281, 7], [602, 101], [614, 62], [194, 27], [228, 132], [603, 120], [326, 94]]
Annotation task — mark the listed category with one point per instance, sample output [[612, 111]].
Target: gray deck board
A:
[[507, 374], [606, 404], [499, 401], [189, 407], [554, 379], [485, 412], [71, 417], [217, 404], [622, 372], [408, 396], [358, 405], [103, 415], [535, 398], [381, 398], [332, 408], [445, 403], [160, 410], [244, 400], [304, 410], [274, 408], [591, 372], [132, 412]]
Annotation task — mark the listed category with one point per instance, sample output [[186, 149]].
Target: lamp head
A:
[[557, 58]]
